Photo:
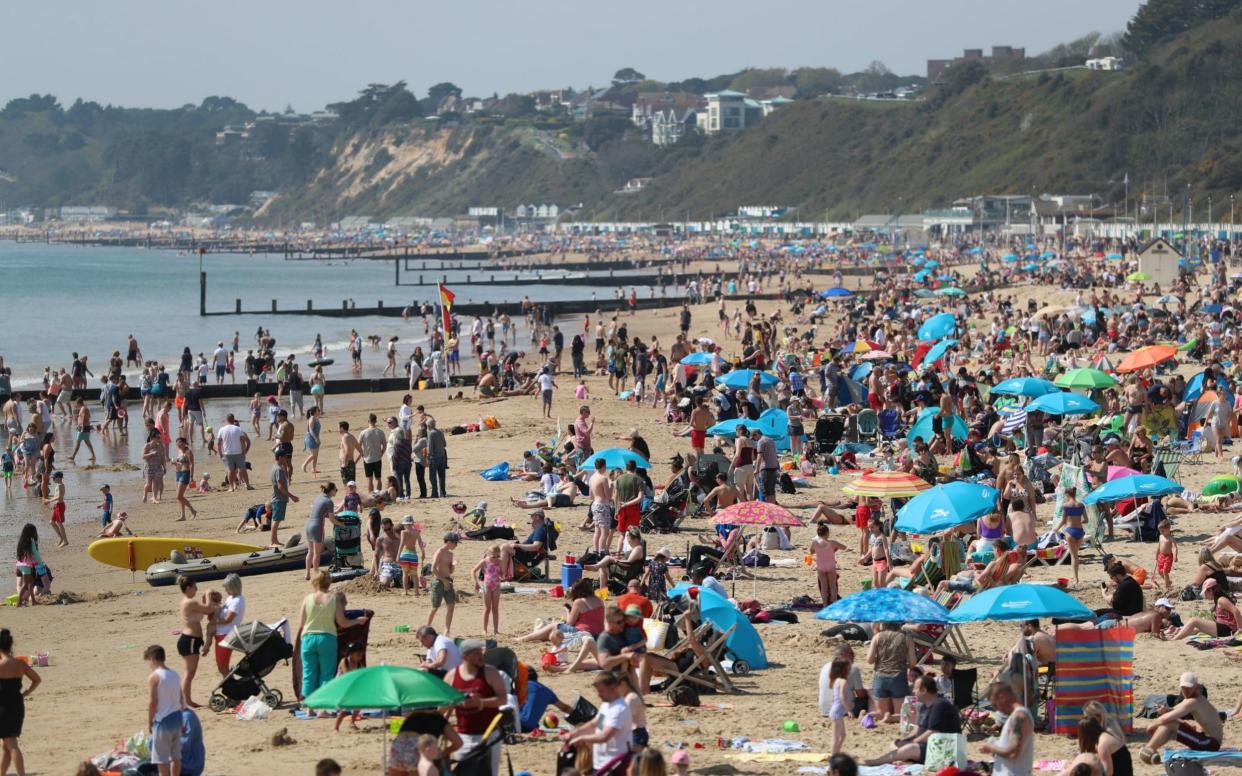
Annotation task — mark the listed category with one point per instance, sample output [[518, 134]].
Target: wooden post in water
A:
[[202, 294]]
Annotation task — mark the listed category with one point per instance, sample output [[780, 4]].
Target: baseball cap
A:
[[104, 487], [351, 484], [633, 610], [1188, 680], [1166, 603], [407, 520]]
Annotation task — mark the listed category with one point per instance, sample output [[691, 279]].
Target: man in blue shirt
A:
[[529, 551]]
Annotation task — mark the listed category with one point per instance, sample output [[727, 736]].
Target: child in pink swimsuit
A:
[[489, 564], [825, 551]]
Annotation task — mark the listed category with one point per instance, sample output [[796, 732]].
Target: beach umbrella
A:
[[861, 346], [1047, 255], [946, 506], [881, 484], [1117, 472], [1062, 403], [740, 378], [885, 604], [931, 264], [1115, 256], [1169, 299], [757, 513], [938, 350], [1030, 387], [744, 642], [877, 355], [697, 359], [1011, 257], [850, 391], [922, 275], [1138, 277], [1020, 602], [728, 428], [837, 293], [937, 326], [1134, 486], [615, 458], [1084, 377], [923, 293], [950, 291], [1145, 358], [860, 371], [1103, 363], [384, 687], [1029, 267], [924, 425]]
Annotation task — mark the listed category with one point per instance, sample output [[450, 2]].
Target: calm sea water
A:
[[87, 300], [60, 299]]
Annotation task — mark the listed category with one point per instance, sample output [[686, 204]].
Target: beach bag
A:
[[497, 473], [754, 558], [582, 711], [945, 750]]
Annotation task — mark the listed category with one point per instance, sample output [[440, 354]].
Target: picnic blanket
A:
[[1094, 665]]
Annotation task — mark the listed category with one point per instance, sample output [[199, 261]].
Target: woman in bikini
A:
[[1071, 519]]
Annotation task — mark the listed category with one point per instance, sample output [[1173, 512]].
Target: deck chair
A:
[[1190, 449], [535, 571], [947, 642], [890, 425], [731, 560], [706, 670], [1169, 460], [929, 576], [868, 424]]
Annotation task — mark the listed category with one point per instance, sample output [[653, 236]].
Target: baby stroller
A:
[[347, 541], [263, 647], [829, 430], [664, 517]]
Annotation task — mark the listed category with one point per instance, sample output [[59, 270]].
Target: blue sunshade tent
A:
[[697, 359], [1134, 486], [837, 293], [1020, 602], [1031, 387], [728, 428], [938, 350], [946, 506], [886, 604], [1062, 403], [744, 642], [740, 378], [923, 427], [615, 458], [937, 326], [1194, 389]]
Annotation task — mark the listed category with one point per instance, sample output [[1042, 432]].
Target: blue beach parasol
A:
[[1063, 403], [887, 604], [937, 326], [615, 458], [740, 378], [1020, 602], [1134, 486], [1030, 387], [946, 506]]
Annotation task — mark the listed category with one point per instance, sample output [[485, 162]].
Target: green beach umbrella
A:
[[951, 291], [384, 687], [1085, 378], [1138, 277]]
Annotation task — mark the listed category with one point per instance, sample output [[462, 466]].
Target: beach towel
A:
[[1076, 477], [1094, 665]]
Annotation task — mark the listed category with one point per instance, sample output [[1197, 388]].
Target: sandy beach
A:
[[94, 687]]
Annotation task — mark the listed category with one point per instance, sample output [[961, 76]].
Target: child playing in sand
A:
[[489, 564], [1166, 552], [210, 434], [478, 516], [215, 600], [254, 515], [409, 551], [825, 551], [115, 528], [204, 483], [58, 508], [556, 649], [580, 391]]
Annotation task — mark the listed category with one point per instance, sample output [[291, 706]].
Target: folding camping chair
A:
[[705, 670], [1169, 459], [946, 641], [868, 424]]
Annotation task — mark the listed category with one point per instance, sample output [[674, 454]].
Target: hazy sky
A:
[[267, 53]]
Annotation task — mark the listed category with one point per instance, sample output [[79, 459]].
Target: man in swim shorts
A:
[[350, 452], [602, 508], [442, 591]]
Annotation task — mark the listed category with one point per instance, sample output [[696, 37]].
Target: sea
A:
[[59, 299]]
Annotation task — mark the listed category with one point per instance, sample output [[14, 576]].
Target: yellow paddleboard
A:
[[136, 553]]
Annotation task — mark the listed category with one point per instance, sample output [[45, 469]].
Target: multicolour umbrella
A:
[[946, 506], [1084, 377], [861, 346], [885, 604], [757, 513], [1020, 602], [1146, 358], [880, 484]]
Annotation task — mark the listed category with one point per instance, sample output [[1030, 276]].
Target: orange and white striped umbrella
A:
[[879, 484]]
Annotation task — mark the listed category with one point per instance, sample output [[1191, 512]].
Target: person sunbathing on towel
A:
[[614, 648]]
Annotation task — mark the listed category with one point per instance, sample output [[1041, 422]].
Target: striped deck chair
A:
[[1093, 665], [944, 640], [1169, 459]]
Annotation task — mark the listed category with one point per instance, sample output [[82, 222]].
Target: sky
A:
[[307, 53]]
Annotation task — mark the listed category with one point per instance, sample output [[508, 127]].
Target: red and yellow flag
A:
[[446, 305]]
